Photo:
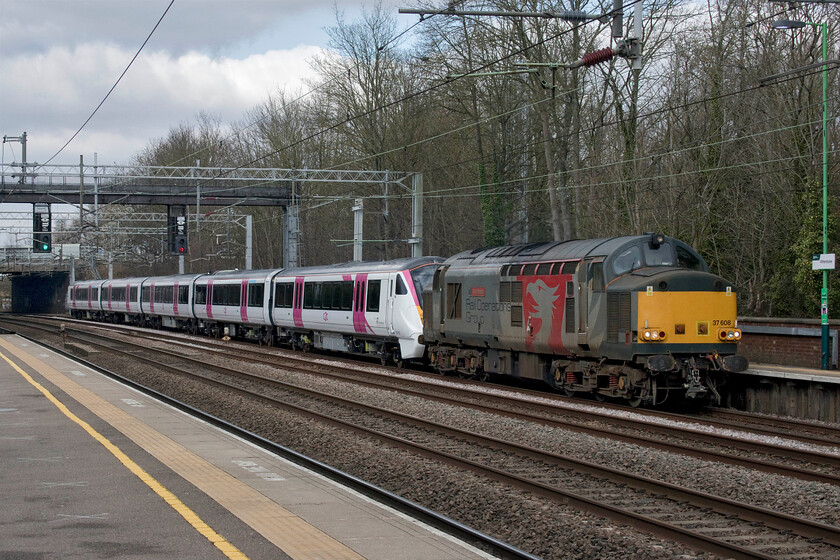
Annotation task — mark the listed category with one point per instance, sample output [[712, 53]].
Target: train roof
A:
[[576, 249], [365, 266]]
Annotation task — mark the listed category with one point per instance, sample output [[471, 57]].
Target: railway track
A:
[[705, 521], [774, 446]]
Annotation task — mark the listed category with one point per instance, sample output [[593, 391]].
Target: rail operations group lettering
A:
[[477, 308]]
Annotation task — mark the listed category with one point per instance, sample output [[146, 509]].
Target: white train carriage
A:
[[83, 299], [167, 301], [120, 299], [369, 308], [234, 303]]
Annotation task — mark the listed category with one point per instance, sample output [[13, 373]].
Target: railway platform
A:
[[91, 468], [800, 392]]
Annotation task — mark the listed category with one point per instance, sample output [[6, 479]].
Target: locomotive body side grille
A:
[[618, 315]]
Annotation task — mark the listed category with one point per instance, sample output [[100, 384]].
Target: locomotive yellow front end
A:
[[688, 318]]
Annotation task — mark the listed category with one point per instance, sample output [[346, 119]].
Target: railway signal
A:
[[41, 228], [177, 230]]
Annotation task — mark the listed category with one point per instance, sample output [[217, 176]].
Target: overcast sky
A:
[[58, 59]]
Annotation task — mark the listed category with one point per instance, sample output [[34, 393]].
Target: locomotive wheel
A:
[[635, 401], [600, 397]]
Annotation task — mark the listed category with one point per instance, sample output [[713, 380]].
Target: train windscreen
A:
[[422, 276]]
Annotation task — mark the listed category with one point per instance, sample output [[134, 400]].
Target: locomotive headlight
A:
[[729, 335], [653, 335]]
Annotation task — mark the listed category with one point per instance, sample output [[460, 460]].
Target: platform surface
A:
[[90, 468]]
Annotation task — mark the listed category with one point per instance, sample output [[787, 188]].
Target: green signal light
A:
[[45, 247]]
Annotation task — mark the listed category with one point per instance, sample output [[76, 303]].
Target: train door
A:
[[297, 302], [389, 302], [590, 283]]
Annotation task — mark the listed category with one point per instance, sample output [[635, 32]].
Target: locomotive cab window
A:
[[630, 259], [686, 258], [662, 255]]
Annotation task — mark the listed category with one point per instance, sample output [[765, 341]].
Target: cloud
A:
[[45, 93]]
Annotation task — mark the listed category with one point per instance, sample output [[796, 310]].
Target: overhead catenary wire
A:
[[110, 91]]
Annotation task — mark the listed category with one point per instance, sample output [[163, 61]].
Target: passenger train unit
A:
[[635, 318]]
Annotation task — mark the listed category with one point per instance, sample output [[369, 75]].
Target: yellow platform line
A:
[[293, 535], [189, 515]]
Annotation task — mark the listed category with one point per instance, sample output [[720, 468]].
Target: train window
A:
[[569, 267], [308, 294], [163, 294], [544, 269], [630, 259], [146, 294], [183, 294], [227, 294], [596, 277], [422, 277], [200, 295], [283, 294], [374, 288], [82, 294], [663, 255], [335, 296], [95, 296], [687, 259], [347, 295], [529, 270], [133, 293], [256, 292], [317, 302], [506, 270], [453, 301], [401, 289], [326, 295]]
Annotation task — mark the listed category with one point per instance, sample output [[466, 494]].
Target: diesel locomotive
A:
[[635, 318]]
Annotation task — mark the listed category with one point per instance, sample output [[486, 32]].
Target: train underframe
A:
[[386, 351], [646, 380]]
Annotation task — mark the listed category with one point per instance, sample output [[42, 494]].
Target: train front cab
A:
[[667, 325]]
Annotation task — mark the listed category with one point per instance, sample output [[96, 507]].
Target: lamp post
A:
[[794, 24]]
